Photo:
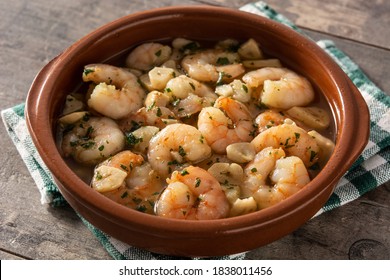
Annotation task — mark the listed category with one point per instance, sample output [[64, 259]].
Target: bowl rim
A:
[[103, 206]]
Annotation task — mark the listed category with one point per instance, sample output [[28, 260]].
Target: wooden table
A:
[[33, 32]]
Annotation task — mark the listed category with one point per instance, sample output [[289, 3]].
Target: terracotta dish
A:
[[197, 238]]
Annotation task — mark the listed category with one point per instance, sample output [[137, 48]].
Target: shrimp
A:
[[229, 121], [92, 140], [174, 145], [294, 140], [148, 116], [111, 173], [281, 88], [125, 178], [267, 119], [213, 65], [146, 56], [192, 194], [287, 174], [117, 94], [188, 95], [156, 98], [257, 171]]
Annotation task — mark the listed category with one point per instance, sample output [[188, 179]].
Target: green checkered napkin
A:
[[372, 168]]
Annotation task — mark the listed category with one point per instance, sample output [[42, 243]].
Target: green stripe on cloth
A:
[[371, 170]]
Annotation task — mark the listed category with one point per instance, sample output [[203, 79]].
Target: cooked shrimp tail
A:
[[193, 193], [117, 92]]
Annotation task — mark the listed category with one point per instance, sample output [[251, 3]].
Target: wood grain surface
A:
[[34, 32]]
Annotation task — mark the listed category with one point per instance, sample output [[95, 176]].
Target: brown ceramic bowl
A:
[[197, 238]]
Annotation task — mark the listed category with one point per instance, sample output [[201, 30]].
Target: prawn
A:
[[92, 140], [267, 119], [175, 145], [189, 96], [148, 116], [192, 194], [294, 140], [213, 65], [287, 174], [156, 98], [281, 87], [125, 178], [229, 121], [117, 92], [146, 56]]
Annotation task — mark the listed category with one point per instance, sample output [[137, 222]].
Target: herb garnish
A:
[[88, 71], [132, 140], [197, 182], [182, 152], [222, 61]]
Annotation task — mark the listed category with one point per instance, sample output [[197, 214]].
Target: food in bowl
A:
[[196, 130]]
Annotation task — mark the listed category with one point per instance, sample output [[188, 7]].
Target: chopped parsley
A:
[[261, 106], [86, 117], [68, 128], [226, 182], [74, 143], [137, 200], [125, 194], [141, 208], [221, 76], [197, 182], [184, 172], [88, 145], [182, 152], [245, 88], [88, 134], [98, 176], [88, 71], [313, 154], [253, 132], [150, 107], [286, 145], [134, 125], [132, 140], [175, 102], [222, 61], [315, 166], [192, 46], [173, 162], [159, 112]]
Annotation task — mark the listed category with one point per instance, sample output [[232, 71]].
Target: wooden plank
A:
[[8, 256], [33, 32], [364, 21], [373, 61], [32, 230], [354, 231]]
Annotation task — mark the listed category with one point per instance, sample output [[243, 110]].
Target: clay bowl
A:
[[197, 238]]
